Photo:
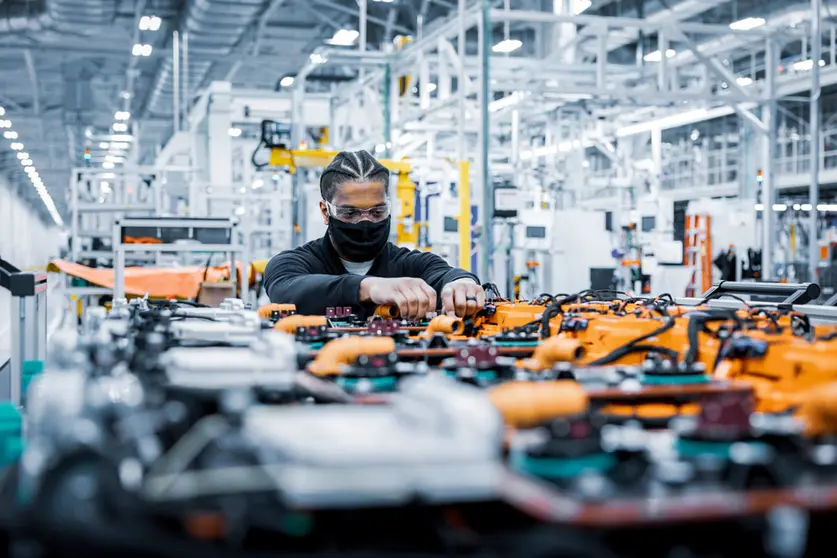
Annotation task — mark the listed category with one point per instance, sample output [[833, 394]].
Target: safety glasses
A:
[[350, 214]]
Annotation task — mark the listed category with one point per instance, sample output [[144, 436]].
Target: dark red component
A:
[[726, 414], [383, 327], [477, 357], [338, 311]]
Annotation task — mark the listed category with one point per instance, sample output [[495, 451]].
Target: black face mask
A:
[[359, 242]]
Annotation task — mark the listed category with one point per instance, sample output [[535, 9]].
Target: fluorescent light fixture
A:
[[120, 127], [672, 121], [505, 102], [9, 134], [258, 183], [2, 111], [107, 165], [105, 187], [141, 50], [806, 207], [17, 146], [235, 132], [657, 57], [744, 81], [759, 207], [122, 115], [26, 162], [5, 123], [30, 170], [831, 207], [344, 37], [506, 46], [779, 207], [822, 207], [150, 23], [120, 145], [287, 81], [747, 23], [797, 207], [431, 87], [104, 145], [806, 65], [580, 6], [317, 58], [22, 155]]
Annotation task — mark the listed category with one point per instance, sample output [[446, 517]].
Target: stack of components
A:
[[229, 431]]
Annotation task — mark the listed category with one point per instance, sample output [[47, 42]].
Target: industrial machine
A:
[[560, 425]]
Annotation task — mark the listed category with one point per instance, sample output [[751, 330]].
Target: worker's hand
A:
[[414, 297], [463, 297]]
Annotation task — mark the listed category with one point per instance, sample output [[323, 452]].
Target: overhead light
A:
[[747, 23], [22, 155], [506, 46], [141, 50], [105, 187], [797, 207], [122, 115], [657, 57], [26, 162], [2, 111], [17, 146], [317, 58], [120, 145], [30, 170], [822, 207], [5, 123], [258, 183], [759, 207], [125, 95], [287, 81], [107, 165], [779, 207], [104, 145], [806, 65], [580, 6], [120, 127], [150, 23], [9, 134], [380, 148], [744, 81], [431, 87], [235, 132], [806, 207], [344, 37]]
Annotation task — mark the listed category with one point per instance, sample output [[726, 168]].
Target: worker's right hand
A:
[[414, 297]]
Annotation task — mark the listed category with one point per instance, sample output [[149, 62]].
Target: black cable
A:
[[697, 324], [257, 165]]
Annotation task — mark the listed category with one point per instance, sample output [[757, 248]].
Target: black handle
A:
[[6, 271], [795, 293]]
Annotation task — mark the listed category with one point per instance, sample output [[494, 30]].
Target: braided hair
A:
[[351, 166]]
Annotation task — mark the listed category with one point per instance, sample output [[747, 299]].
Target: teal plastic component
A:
[[11, 434], [383, 383], [675, 379], [561, 468], [296, 524], [31, 370], [706, 448], [517, 343], [481, 374]]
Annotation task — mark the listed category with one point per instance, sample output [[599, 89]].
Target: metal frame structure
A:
[[121, 248], [28, 324], [465, 97]]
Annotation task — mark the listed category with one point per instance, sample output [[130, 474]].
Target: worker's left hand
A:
[[462, 297]]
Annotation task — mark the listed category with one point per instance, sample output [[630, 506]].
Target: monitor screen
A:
[[535, 232], [649, 223], [451, 224]]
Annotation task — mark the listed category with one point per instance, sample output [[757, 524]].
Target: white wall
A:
[[25, 240]]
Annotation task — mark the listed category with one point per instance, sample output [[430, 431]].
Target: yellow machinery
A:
[[405, 192]]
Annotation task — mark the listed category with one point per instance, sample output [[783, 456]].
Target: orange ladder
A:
[[697, 249]]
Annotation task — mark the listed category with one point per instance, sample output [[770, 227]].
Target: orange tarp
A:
[[180, 282]]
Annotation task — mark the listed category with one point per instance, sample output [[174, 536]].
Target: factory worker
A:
[[354, 264]]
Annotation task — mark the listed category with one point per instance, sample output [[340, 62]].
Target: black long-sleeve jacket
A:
[[313, 277]]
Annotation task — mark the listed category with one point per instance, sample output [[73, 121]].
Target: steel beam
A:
[[814, 189]]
